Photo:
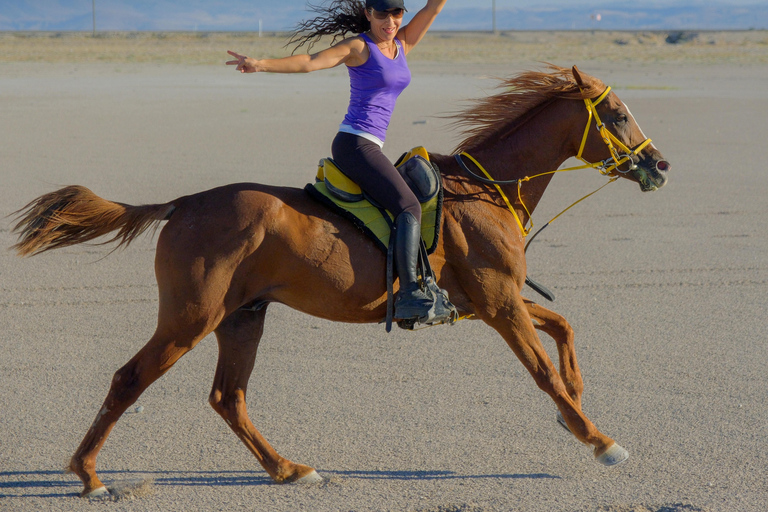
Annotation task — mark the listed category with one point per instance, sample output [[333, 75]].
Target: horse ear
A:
[[577, 76]]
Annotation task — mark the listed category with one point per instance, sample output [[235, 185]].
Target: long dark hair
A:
[[336, 19]]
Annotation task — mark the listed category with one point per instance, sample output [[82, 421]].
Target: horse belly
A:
[[328, 269]]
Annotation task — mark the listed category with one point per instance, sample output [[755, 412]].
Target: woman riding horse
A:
[[378, 73], [225, 254]]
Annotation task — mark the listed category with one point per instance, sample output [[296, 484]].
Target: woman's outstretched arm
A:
[[350, 51]]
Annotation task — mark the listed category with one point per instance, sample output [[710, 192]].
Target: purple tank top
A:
[[375, 87]]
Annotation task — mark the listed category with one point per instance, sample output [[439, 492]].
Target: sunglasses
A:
[[382, 15]]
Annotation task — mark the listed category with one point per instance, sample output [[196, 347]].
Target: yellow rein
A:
[[605, 167]]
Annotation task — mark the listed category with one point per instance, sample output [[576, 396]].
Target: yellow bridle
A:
[[605, 167]]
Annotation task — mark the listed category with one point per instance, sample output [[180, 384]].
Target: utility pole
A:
[[494, 17], [94, 18]]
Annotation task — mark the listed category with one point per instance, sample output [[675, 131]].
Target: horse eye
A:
[[621, 118]]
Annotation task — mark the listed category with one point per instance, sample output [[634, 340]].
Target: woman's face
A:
[[385, 24]]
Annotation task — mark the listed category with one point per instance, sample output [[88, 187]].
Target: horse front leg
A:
[[516, 327], [558, 328], [238, 336]]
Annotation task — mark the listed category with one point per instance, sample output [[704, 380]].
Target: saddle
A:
[[338, 192]]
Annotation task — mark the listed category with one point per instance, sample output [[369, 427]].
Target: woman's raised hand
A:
[[244, 64]]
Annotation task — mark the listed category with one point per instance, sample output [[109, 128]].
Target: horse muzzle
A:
[[651, 177]]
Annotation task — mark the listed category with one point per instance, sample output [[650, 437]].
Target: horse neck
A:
[[528, 147]]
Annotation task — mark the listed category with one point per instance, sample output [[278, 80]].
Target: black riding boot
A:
[[411, 301]]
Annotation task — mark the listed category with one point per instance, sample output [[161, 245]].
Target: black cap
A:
[[385, 5]]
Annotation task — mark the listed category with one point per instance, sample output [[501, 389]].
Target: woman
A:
[[378, 73]]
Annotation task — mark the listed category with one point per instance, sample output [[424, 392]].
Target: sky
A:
[[279, 15]]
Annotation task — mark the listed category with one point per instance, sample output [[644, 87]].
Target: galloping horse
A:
[[226, 253]]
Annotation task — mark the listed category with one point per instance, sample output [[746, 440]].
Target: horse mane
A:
[[491, 116]]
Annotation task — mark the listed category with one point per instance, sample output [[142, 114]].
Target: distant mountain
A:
[[279, 15], [611, 17]]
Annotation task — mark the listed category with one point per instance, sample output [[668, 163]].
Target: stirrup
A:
[[441, 311]]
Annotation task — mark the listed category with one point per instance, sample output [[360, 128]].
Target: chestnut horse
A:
[[226, 253]]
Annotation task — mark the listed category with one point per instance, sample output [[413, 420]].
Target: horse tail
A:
[[75, 215]]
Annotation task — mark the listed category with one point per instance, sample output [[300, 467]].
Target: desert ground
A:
[[667, 291]]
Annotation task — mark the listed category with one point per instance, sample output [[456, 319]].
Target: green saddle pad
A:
[[370, 218]]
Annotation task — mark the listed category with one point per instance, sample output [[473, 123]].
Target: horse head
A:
[[619, 145]]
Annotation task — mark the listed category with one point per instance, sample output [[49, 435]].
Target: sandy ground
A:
[[666, 291]]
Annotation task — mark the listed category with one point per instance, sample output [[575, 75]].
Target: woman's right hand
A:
[[244, 64]]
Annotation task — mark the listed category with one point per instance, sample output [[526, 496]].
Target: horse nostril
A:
[[662, 166]]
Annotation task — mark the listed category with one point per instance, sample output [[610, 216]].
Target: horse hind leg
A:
[[238, 337], [159, 354]]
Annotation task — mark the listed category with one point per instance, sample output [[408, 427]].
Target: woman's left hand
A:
[[244, 64]]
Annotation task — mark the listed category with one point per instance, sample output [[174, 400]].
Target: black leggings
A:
[[363, 161]]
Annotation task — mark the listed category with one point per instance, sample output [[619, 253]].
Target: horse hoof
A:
[[562, 422], [98, 493], [310, 478], [613, 455]]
